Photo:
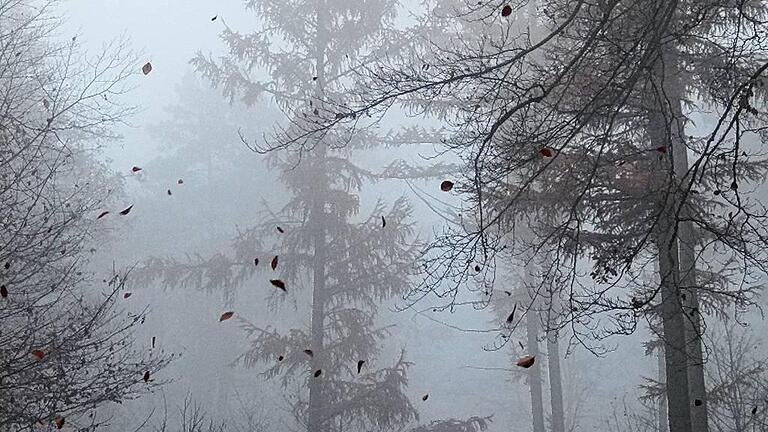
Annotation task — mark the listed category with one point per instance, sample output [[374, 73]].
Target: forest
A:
[[383, 215]]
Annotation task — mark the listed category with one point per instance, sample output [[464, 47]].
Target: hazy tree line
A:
[[607, 155]]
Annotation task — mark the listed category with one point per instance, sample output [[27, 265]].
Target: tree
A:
[[66, 345], [600, 120]]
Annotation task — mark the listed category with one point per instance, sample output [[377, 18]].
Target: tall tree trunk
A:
[[534, 372], [663, 420], [316, 421], [555, 382]]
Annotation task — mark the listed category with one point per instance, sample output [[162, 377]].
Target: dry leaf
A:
[[280, 230], [661, 149], [360, 364], [425, 397], [169, 192], [59, 420], [274, 263], [214, 18], [309, 352], [147, 68], [135, 169], [546, 152], [318, 372], [179, 181], [146, 376], [526, 361], [446, 186], [506, 11], [102, 214], [226, 315], [278, 283], [383, 222], [126, 295], [280, 358], [127, 210], [38, 354], [3, 291], [153, 341], [256, 261], [511, 316]]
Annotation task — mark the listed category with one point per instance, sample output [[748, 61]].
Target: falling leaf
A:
[[127, 210], [507, 293], [274, 263], [754, 410], [38, 354], [546, 152], [661, 149], [309, 352], [734, 185], [102, 214], [383, 222], [511, 316], [255, 261], [179, 181], [153, 341], [7, 265], [278, 283], [59, 420], [280, 358], [521, 345], [214, 18], [526, 361], [477, 268], [126, 295], [136, 169], [425, 397], [146, 376], [226, 315], [147, 68], [318, 372], [506, 11], [446, 186], [360, 364], [280, 230], [3, 291], [697, 402], [169, 192], [46, 104]]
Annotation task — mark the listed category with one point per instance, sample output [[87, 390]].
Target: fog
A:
[[279, 272]]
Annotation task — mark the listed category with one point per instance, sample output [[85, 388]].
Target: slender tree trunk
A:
[[316, 421], [534, 372], [663, 420], [555, 382]]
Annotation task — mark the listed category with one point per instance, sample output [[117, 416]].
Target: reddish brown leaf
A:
[[309, 352], [3, 291], [102, 214], [274, 263], [59, 420], [278, 283], [526, 361], [446, 186], [135, 169], [318, 372], [661, 149], [226, 315], [546, 152], [147, 68], [425, 397], [126, 295], [360, 364], [146, 376], [38, 354], [506, 11], [127, 210]]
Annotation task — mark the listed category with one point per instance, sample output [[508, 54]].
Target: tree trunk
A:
[[663, 420], [534, 372], [555, 382]]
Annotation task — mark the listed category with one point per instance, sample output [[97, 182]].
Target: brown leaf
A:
[[546, 152], [146, 376], [318, 372], [3, 291], [255, 261], [446, 186], [274, 263], [102, 214], [661, 149], [179, 181], [59, 420], [127, 210], [135, 169], [383, 222], [526, 361], [511, 316], [226, 315], [425, 397], [169, 192], [153, 341], [280, 358], [280, 230], [38, 354], [521, 345], [147, 68], [360, 364], [309, 352], [126, 295], [278, 283], [506, 11], [214, 18]]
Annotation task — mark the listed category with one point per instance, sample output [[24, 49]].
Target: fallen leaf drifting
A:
[[179, 181], [59, 420], [153, 341], [383, 222], [697, 402], [226, 315], [146, 376], [509, 293], [546, 152], [136, 169], [46, 103], [214, 18], [38, 354], [278, 283], [360, 364], [446, 186], [280, 230], [126, 295], [309, 352], [511, 316], [425, 397], [280, 358], [526, 361], [661, 149], [478, 268], [169, 192], [147, 68], [102, 214], [256, 261], [521, 345], [127, 210], [318, 372], [274, 263], [3, 291], [754, 410]]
